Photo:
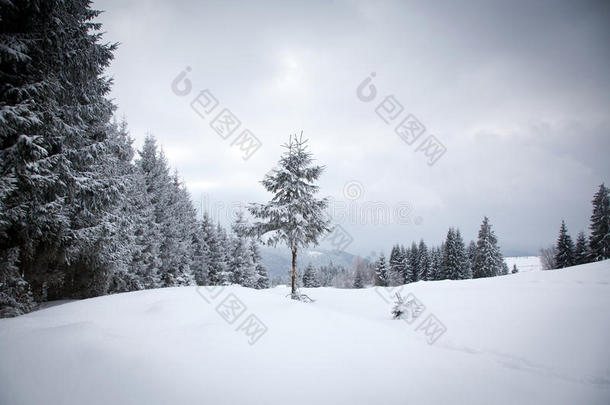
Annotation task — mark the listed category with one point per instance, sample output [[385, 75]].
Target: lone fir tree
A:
[[294, 216]]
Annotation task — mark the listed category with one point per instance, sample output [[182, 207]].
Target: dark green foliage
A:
[[488, 261], [581, 252], [599, 241], [381, 272], [565, 248]]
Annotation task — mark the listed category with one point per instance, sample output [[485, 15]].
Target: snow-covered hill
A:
[[524, 263], [537, 337]]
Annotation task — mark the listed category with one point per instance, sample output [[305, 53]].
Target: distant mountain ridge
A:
[[278, 261]]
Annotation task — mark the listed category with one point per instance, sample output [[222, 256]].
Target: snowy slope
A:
[[524, 263], [531, 338]]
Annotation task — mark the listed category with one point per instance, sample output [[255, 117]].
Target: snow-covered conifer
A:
[[455, 265], [241, 262], [381, 272], [599, 241], [294, 216], [396, 267], [471, 251], [412, 264], [424, 262], [55, 115], [217, 274], [565, 248], [581, 252], [310, 277], [262, 278], [488, 261]]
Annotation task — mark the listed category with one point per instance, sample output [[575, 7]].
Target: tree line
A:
[[587, 249], [79, 215], [451, 260]]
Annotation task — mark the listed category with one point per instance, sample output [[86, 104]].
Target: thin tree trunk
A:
[[294, 271]]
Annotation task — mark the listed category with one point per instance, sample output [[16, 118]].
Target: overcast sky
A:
[[517, 92]]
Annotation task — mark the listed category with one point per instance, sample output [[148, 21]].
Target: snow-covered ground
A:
[[524, 263], [539, 337]]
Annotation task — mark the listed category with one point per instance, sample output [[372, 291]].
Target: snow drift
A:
[[538, 337]]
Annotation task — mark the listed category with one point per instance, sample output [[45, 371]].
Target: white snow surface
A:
[[539, 337], [524, 263]]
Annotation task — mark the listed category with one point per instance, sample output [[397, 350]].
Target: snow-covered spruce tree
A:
[[241, 263], [120, 249], [412, 264], [145, 261], [505, 269], [471, 251], [465, 268], [262, 278], [294, 216], [435, 264], [328, 273], [341, 278], [455, 265], [201, 256], [397, 273], [423, 261], [406, 264], [465, 271], [488, 261], [178, 233], [217, 266], [323, 276], [310, 277], [399, 307], [405, 267], [359, 276], [106, 246], [599, 241], [15, 294], [54, 115], [395, 257], [363, 274], [581, 252], [174, 215], [224, 244], [396, 267], [381, 272], [448, 261], [155, 173], [565, 248]]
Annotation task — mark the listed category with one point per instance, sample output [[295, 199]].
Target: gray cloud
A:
[[517, 91]]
